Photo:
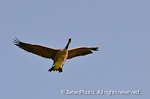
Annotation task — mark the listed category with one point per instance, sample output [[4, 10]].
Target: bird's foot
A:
[[51, 69], [60, 69]]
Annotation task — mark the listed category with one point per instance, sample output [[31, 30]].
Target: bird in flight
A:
[[59, 56]]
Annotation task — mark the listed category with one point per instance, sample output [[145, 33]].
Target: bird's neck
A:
[[67, 45]]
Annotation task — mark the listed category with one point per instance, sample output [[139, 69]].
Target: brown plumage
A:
[[59, 56]]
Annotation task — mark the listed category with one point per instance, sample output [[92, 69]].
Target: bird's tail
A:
[[52, 69]]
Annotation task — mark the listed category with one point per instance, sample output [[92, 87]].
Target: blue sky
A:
[[121, 64]]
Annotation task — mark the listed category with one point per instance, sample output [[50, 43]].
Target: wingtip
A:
[[97, 48], [16, 41]]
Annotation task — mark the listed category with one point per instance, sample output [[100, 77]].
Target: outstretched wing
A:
[[40, 50], [81, 51]]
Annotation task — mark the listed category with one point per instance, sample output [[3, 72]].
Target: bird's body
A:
[[59, 56]]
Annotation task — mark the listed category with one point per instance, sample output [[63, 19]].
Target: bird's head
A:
[[69, 41]]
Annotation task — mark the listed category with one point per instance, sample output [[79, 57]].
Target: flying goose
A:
[[59, 56]]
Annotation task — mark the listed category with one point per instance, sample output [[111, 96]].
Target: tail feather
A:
[[52, 69]]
